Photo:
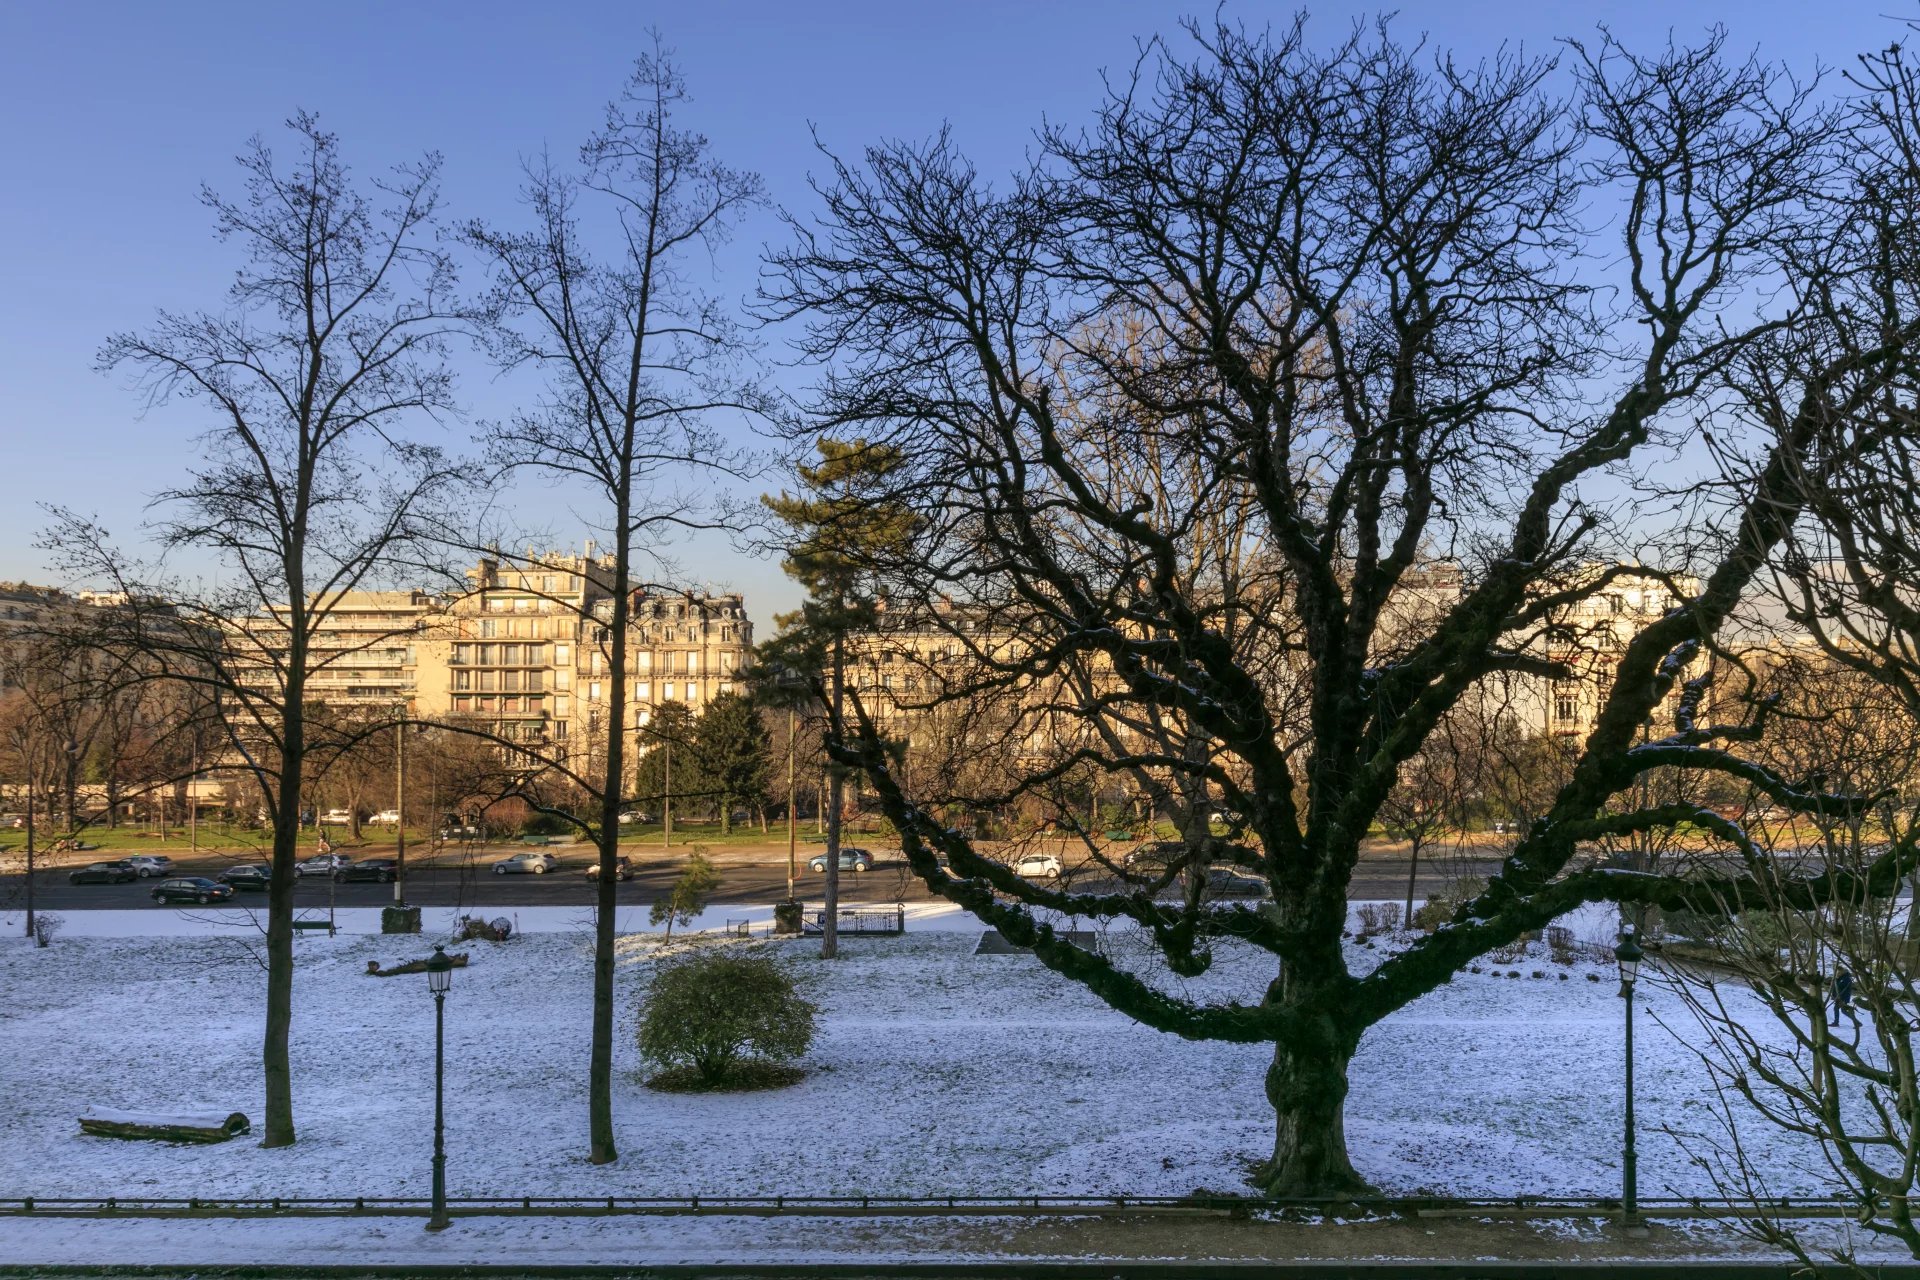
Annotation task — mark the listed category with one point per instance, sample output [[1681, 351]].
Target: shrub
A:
[[722, 1016], [1560, 943], [46, 926], [1378, 917], [1440, 907]]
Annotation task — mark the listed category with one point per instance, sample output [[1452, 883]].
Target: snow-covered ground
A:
[[936, 1072]]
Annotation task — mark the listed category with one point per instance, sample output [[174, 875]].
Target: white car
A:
[[337, 817], [387, 818], [150, 865], [535, 864], [1039, 866]]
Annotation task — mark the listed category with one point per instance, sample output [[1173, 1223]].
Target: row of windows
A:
[[498, 706], [508, 655], [505, 681]]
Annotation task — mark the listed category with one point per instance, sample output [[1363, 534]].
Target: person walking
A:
[[1843, 998]]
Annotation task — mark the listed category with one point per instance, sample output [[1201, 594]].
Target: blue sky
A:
[[115, 113]]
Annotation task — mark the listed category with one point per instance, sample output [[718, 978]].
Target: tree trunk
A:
[[836, 783], [277, 1123], [1307, 1085]]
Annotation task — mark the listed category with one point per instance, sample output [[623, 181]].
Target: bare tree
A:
[[1356, 276], [312, 483], [639, 364]]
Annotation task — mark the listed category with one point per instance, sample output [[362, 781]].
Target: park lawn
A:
[[935, 1072]]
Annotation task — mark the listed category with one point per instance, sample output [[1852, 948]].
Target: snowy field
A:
[[936, 1072]]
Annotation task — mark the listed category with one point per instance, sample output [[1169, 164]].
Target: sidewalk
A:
[[1127, 1247]]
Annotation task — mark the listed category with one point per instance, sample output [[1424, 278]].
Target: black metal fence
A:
[[908, 1206]]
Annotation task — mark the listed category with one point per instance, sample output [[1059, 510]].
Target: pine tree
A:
[[847, 519]]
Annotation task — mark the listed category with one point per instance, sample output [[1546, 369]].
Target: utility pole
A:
[[193, 798], [666, 803], [793, 831], [400, 807]]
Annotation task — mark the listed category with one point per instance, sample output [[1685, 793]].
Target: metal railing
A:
[[906, 1206]]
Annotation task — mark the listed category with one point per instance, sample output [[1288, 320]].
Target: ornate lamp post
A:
[[1628, 955], [439, 981]]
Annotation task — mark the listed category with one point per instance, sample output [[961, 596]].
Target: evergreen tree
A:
[[667, 764], [847, 519], [688, 897], [730, 754]]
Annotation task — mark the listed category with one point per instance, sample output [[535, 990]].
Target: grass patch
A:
[[743, 1078]]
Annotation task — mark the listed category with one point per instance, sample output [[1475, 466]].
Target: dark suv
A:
[[378, 870]]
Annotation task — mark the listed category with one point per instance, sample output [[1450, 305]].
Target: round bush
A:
[[723, 1017]]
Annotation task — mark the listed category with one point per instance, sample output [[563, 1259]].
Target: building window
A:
[[489, 628], [643, 691], [666, 692], [563, 678], [462, 706], [463, 679], [643, 661], [593, 691], [560, 730], [510, 682], [546, 582], [562, 654], [488, 681], [533, 681]]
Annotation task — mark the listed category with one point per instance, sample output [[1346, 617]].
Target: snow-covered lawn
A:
[[936, 1072]]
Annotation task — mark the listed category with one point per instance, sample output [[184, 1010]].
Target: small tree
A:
[[688, 897], [715, 1012]]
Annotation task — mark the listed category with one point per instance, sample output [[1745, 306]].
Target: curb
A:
[[999, 1270]]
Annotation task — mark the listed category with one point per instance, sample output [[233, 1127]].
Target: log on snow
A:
[[172, 1126], [374, 970]]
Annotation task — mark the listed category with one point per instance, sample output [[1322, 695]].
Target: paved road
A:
[[472, 884]]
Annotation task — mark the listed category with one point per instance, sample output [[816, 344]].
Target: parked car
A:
[[532, 864], [622, 869], [247, 875], [1153, 858], [851, 859], [1223, 882], [632, 816], [322, 864], [191, 889], [1039, 866], [103, 873], [459, 831], [387, 817], [152, 865], [378, 870]]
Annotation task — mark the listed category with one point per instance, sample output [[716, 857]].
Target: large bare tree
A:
[[599, 298], [311, 387], [1404, 311]]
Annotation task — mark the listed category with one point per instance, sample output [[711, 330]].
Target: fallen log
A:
[[412, 966], [174, 1126]]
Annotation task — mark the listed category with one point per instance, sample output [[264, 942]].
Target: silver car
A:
[[533, 864]]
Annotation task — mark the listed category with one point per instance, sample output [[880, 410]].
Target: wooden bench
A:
[[308, 926]]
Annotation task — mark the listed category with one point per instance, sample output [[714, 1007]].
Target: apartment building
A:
[[687, 647], [527, 649]]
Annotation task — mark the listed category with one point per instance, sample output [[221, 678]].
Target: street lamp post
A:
[[439, 980], [1628, 955], [400, 804]]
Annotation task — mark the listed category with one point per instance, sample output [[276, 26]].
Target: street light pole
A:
[[400, 805], [1628, 954], [793, 831], [439, 979]]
